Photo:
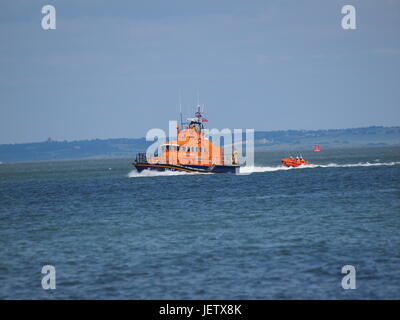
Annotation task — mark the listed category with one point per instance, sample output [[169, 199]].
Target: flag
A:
[[204, 120]]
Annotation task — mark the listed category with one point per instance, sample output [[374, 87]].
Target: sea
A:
[[277, 233]]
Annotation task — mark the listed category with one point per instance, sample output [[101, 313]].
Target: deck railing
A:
[[141, 158]]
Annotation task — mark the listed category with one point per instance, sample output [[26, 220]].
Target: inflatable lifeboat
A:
[[294, 162]]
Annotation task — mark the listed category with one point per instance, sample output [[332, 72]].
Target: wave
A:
[[247, 170]]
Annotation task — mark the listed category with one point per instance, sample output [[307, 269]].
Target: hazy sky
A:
[[113, 68]]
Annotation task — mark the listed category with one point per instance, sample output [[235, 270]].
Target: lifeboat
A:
[[190, 152], [294, 162]]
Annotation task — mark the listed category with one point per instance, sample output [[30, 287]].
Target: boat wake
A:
[[257, 169], [152, 173], [360, 164], [247, 170]]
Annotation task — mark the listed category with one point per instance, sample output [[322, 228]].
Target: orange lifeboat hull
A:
[[289, 162]]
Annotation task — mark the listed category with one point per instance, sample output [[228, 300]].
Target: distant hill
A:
[[83, 149], [327, 139], [264, 141]]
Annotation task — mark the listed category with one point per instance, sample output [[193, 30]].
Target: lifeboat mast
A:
[[196, 124]]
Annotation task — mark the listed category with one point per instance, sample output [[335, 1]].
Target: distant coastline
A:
[[290, 140]]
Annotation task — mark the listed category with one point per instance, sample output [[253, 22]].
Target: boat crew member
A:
[[234, 157]]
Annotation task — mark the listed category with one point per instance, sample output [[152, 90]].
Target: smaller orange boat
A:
[[294, 162]]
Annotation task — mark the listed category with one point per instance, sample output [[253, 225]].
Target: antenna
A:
[[199, 106], [180, 100], [180, 106]]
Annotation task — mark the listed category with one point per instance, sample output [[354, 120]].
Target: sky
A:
[[113, 69]]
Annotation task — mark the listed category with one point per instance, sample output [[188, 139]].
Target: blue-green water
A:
[[276, 233]]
